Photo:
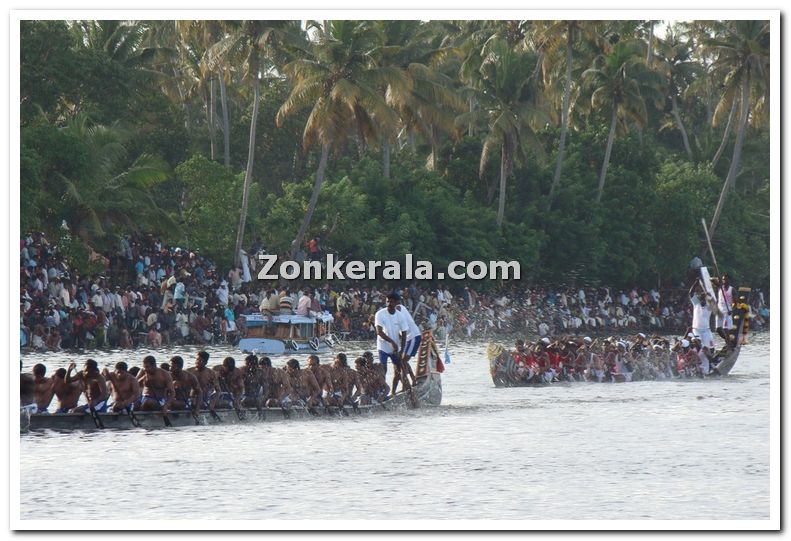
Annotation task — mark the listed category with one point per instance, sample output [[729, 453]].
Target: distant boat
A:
[[288, 334], [504, 372]]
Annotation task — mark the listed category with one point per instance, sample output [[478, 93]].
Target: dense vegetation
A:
[[587, 150]]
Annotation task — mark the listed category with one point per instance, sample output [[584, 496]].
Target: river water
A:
[[645, 450]]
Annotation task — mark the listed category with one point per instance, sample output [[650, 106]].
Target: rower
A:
[[277, 383], [231, 382], [321, 373], [156, 385], [377, 379], [253, 396], [94, 387], [305, 389], [67, 392], [207, 379], [44, 388], [340, 382], [27, 399], [187, 393], [124, 386], [373, 388]]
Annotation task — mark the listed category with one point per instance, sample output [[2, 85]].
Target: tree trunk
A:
[[650, 55], [606, 163], [680, 126], [248, 175], [314, 197], [187, 120], [725, 135], [386, 158], [225, 124], [433, 150], [503, 177], [730, 180], [211, 118], [470, 128], [564, 117]]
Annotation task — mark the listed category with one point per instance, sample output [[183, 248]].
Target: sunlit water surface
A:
[[648, 450]]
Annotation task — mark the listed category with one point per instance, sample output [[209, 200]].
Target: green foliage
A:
[[110, 108], [210, 196], [77, 253]]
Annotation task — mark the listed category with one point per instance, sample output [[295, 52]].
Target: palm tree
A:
[[340, 83], [256, 43], [556, 40], [117, 192], [680, 71], [621, 83], [509, 99], [742, 54]]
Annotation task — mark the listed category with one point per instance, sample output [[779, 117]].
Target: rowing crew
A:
[[255, 385], [634, 358]]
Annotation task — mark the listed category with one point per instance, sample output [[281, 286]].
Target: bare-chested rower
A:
[[68, 393], [93, 385], [231, 381], [124, 387], [44, 388], [305, 389], [373, 387], [322, 374], [254, 384], [342, 382], [186, 388], [156, 385], [278, 385], [208, 380]]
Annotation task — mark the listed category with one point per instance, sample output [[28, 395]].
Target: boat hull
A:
[[427, 394]]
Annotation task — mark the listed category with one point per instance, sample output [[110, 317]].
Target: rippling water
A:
[[645, 450]]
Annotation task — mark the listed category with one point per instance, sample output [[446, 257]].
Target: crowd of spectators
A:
[[154, 295]]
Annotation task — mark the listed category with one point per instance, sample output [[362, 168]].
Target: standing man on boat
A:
[[390, 333], [702, 308], [207, 379], [157, 386], [124, 386], [186, 387], [725, 306], [93, 385], [413, 337], [44, 388]]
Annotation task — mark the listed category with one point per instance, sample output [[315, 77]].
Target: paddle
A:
[[166, 419], [96, 419], [132, 417]]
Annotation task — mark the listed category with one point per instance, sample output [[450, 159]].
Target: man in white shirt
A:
[[412, 345], [724, 303], [390, 333], [702, 308]]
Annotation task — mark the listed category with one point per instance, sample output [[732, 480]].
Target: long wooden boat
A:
[[427, 393], [504, 372]]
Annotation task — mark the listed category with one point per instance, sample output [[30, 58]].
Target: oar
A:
[[132, 417], [96, 419], [166, 419], [708, 239]]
